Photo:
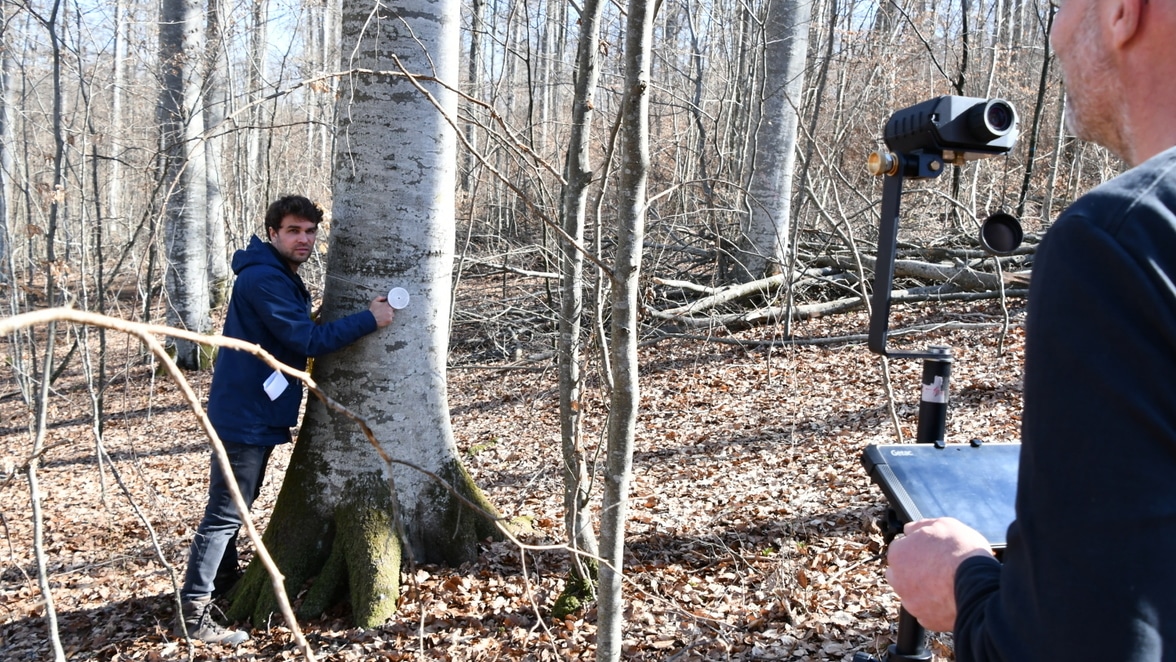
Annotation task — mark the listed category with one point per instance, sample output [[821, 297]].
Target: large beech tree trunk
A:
[[392, 226], [764, 245], [181, 49]]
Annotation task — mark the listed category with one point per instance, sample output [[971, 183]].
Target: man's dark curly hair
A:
[[292, 205]]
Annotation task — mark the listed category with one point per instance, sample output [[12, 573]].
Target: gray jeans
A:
[[214, 549]]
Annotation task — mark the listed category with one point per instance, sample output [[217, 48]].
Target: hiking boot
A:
[[197, 618]]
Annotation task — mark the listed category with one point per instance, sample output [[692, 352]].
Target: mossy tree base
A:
[[578, 592], [364, 563], [190, 356], [353, 552]]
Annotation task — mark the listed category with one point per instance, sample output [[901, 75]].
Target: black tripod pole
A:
[[912, 641], [933, 404], [910, 645], [912, 638]]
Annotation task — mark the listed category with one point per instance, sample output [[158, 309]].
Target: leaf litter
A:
[[753, 531]]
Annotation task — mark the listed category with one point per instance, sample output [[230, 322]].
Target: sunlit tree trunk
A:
[[56, 192], [330, 57], [6, 162], [181, 50], [115, 199], [622, 420], [55, 203], [324, 51], [215, 106], [1038, 115], [474, 89], [1051, 181], [256, 195], [764, 245], [393, 226], [578, 173]]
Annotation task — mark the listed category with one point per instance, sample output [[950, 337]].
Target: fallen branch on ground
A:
[[774, 314]]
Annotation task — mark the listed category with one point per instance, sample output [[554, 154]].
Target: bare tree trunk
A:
[[6, 162], [1038, 116], [114, 203], [1052, 180], [764, 246], [215, 106], [181, 48], [474, 89], [35, 497], [256, 195], [343, 515], [625, 397], [578, 173], [331, 40], [698, 75], [886, 20], [57, 192], [99, 239], [960, 85]]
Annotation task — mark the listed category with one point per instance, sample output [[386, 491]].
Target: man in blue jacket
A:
[[251, 406], [1089, 572]]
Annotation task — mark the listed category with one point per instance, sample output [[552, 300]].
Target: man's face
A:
[[294, 240], [1088, 73]]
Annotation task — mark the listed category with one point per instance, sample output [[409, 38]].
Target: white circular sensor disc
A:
[[398, 298]]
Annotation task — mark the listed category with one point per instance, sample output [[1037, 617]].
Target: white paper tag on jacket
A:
[[275, 384]]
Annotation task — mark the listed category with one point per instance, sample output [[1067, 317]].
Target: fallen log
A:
[[945, 279], [775, 314]]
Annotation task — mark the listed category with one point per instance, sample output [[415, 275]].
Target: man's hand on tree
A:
[[383, 313]]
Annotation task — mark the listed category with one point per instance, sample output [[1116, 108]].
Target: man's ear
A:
[[1126, 20]]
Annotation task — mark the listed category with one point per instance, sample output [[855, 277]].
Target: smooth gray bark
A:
[[625, 395], [395, 171], [257, 194], [764, 245], [215, 109], [115, 198], [473, 88], [181, 50], [6, 162], [392, 225], [578, 174]]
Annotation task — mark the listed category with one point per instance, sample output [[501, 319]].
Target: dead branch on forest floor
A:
[[775, 314]]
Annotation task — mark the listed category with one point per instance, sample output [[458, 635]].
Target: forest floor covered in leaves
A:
[[753, 529]]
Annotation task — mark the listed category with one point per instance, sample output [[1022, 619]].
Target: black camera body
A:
[[922, 140], [956, 128]]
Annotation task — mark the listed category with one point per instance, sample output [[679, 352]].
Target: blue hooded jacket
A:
[[270, 306]]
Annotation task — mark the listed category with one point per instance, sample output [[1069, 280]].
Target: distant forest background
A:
[[120, 134]]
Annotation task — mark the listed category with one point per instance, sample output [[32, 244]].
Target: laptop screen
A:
[[974, 484]]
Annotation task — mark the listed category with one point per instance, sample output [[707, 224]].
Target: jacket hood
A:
[[261, 253]]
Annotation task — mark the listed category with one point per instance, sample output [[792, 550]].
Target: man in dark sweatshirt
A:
[[1090, 568], [251, 406]]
